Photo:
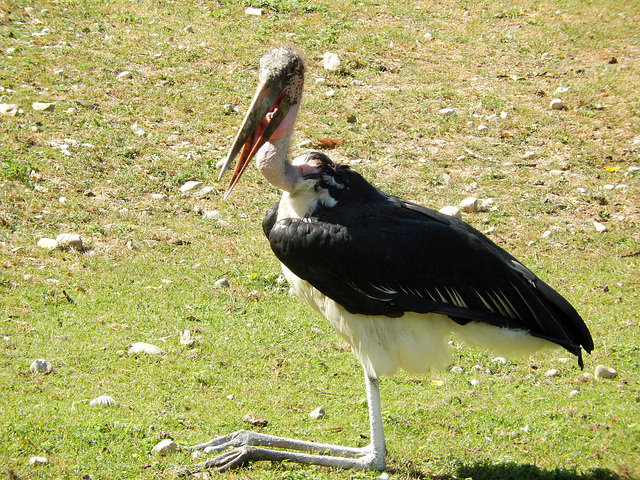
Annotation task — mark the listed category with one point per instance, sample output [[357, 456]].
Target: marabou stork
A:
[[395, 279]]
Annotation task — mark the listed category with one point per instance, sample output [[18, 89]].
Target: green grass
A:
[[260, 350]]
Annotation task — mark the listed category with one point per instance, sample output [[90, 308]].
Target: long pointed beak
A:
[[268, 108]]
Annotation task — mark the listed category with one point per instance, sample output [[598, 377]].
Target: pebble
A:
[[529, 155], [48, 243], [492, 118], [317, 413], [331, 62], [43, 107], [38, 460], [320, 81], [212, 215], [457, 369], [546, 234], [158, 196], [447, 112], [554, 372], [188, 29], [474, 382], [124, 75], [485, 204], [452, 211], [600, 227], [482, 128], [557, 104], [69, 241], [223, 282], [603, 371], [205, 192], [165, 447], [561, 90], [469, 205], [186, 338], [8, 109], [190, 186], [428, 36], [253, 11], [103, 401], [573, 393], [501, 360], [41, 366], [141, 347]]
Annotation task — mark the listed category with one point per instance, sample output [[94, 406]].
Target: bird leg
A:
[[249, 446]]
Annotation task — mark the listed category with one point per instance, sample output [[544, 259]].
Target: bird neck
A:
[[272, 159]]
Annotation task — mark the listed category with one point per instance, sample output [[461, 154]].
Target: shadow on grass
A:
[[514, 471]]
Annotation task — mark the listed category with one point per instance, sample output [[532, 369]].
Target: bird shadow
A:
[[515, 471]]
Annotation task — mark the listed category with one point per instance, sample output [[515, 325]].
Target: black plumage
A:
[[376, 254]]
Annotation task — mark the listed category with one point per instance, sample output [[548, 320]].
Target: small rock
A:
[[447, 112], [205, 192], [529, 155], [331, 62], [485, 204], [503, 115], [43, 107], [603, 371], [190, 186], [546, 234], [573, 393], [103, 401], [500, 360], [554, 372], [165, 447], [330, 93], [317, 413], [186, 338], [141, 347], [254, 420], [223, 282], [469, 205], [132, 246], [556, 172], [600, 227], [456, 369], [124, 75], [621, 186], [561, 90], [188, 29], [212, 215], [48, 243], [38, 460], [474, 382], [557, 104], [41, 366], [158, 196], [452, 211], [492, 118], [8, 109], [320, 81], [633, 169], [69, 241], [482, 128], [428, 36], [253, 11]]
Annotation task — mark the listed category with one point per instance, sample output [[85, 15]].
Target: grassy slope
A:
[[261, 351]]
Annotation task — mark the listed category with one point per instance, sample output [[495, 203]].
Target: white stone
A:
[[165, 447], [503, 114], [529, 155], [8, 109], [43, 107], [48, 243], [141, 347], [158, 196], [554, 372], [253, 11], [600, 227], [331, 62], [482, 128], [428, 36], [557, 104], [457, 369], [447, 112], [452, 211], [621, 186], [485, 204], [603, 371], [546, 234], [38, 460], [573, 393], [190, 185], [69, 241], [124, 75], [204, 192], [492, 118], [212, 215], [41, 366], [223, 282], [474, 382], [561, 90], [103, 401], [317, 413], [634, 169], [320, 81], [500, 360], [469, 205]]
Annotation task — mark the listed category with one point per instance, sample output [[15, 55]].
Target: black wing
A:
[[388, 257]]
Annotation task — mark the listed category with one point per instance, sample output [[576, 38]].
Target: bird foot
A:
[[246, 446]]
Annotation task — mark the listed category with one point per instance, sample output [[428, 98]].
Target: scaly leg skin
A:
[[251, 446]]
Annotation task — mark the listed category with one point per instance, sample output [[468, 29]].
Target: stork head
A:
[[273, 109]]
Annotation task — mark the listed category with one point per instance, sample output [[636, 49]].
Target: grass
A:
[[260, 350]]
